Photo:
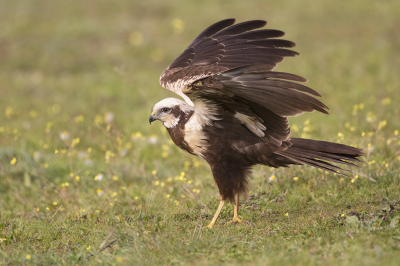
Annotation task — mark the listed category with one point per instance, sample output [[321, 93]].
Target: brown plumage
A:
[[236, 109]]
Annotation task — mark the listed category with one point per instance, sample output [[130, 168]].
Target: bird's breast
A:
[[195, 137]]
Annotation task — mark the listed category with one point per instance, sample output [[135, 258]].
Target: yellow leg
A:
[[221, 204], [236, 218]]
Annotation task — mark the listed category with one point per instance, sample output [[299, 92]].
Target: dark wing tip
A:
[[214, 28], [259, 22]]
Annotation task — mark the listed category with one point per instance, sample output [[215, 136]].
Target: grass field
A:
[[82, 173]]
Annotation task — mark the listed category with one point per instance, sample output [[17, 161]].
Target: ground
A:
[[83, 173]]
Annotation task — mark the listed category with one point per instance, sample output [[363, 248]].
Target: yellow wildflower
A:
[[79, 118], [370, 117], [98, 120], [178, 25], [108, 156], [355, 108], [386, 101], [48, 127], [136, 135], [75, 142], [99, 177], [33, 113], [136, 38], [382, 124], [13, 161], [9, 111]]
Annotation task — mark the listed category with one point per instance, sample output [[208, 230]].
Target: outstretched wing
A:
[[222, 47], [229, 68]]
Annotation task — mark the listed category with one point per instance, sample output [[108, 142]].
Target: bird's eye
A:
[[165, 109]]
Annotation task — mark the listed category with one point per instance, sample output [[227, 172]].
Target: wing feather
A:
[[240, 28], [213, 29], [228, 68]]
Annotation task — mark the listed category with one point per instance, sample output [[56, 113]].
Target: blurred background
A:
[[78, 80], [80, 165]]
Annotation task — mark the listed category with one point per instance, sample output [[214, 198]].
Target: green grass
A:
[[66, 65]]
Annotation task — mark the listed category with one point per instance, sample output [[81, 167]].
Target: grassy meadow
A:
[[85, 180]]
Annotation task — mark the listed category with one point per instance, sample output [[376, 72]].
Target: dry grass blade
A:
[[103, 248]]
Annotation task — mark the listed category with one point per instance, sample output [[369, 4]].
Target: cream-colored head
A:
[[169, 111]]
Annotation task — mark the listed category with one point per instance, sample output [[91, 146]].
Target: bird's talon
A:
[[236, 220], [209, 226]]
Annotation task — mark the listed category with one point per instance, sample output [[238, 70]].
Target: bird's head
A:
[[170, 111]]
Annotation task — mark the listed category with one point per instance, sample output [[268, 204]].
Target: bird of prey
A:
[[236, 109]]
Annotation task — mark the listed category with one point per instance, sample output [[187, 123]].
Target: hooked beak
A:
[[152, 118]]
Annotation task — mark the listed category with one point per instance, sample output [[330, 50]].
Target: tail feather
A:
[[320, 153]]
